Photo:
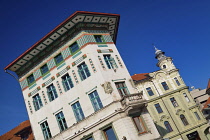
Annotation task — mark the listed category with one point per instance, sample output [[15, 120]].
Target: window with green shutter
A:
[[110, 62], [52, 94], [83, 71], [95, 100], [67, 82], [37, 102], [78, 113], [46, 130], [58, 59], [61, 121]]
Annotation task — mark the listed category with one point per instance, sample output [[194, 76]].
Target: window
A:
[[61, 121], [110, 62], [158, 108], [52, 94], [37, 102], [177, 81], [78, 111], [122, 88], [173, 101], [95, 100], [140, 125], [74, 47], [46, 130], [149, 91], [168, 126], [44, 69], [164, 66], [30, 79], [165, 86], [88, 138], [109, 134], [184, 120], [83, 71], [98, 38], [67, 82], [186, 97], [58, 59], [197, 116]]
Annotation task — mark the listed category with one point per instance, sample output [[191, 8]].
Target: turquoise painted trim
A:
[[102, 45], [42, 120], [32, 86], [77, 54], [119, 79], [91, 90], [74, 100], [57, 111], [46, 76], [60, 66]]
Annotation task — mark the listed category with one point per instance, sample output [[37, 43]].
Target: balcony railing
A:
[[133, 100]]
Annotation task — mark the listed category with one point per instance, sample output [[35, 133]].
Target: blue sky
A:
[[181, 28]]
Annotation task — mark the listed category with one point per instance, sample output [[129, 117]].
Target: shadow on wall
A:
[[162, 131]]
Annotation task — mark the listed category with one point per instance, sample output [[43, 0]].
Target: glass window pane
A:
[[58, 59], [74, 47], [109, 134]]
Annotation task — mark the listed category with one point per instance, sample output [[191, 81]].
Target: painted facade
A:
[[170, 104], [76, 85]]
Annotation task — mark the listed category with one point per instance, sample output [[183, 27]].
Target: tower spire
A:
[[159, 54]]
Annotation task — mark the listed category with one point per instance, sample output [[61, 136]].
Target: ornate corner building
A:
[[174, 112], [76, 86]]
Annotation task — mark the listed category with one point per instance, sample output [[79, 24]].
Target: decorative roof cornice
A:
[[111, 20]]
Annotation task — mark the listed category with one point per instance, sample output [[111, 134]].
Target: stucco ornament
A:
[[107, 87]]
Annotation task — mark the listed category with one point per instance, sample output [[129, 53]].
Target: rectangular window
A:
[[174, 102], [67, 82], [177, 81], [98, 38], [78, 111], [110, 62], [165, 86], [90, 137], [74, 47], [149, 91], [37, 102], [30, 79], [158, 108], [95, 100], [52, 94], [197, 116], [58, 59], [122, 88], [44, 69], [140, 125], [61, 121], [186, 97], [46, 130], [83, 71], [109, 134]]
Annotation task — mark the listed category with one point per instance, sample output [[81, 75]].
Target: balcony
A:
[[133, 102]]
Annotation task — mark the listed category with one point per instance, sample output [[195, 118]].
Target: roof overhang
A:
[[111, 20]]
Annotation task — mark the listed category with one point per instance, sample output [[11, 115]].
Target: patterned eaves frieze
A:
[[111, 20]]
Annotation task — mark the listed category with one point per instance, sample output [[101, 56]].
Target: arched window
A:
[[168, 126], [184, 120]]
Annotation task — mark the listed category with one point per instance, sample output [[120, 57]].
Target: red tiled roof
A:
[[138, 77], [206, 104], [208, 86], [10, 134]]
